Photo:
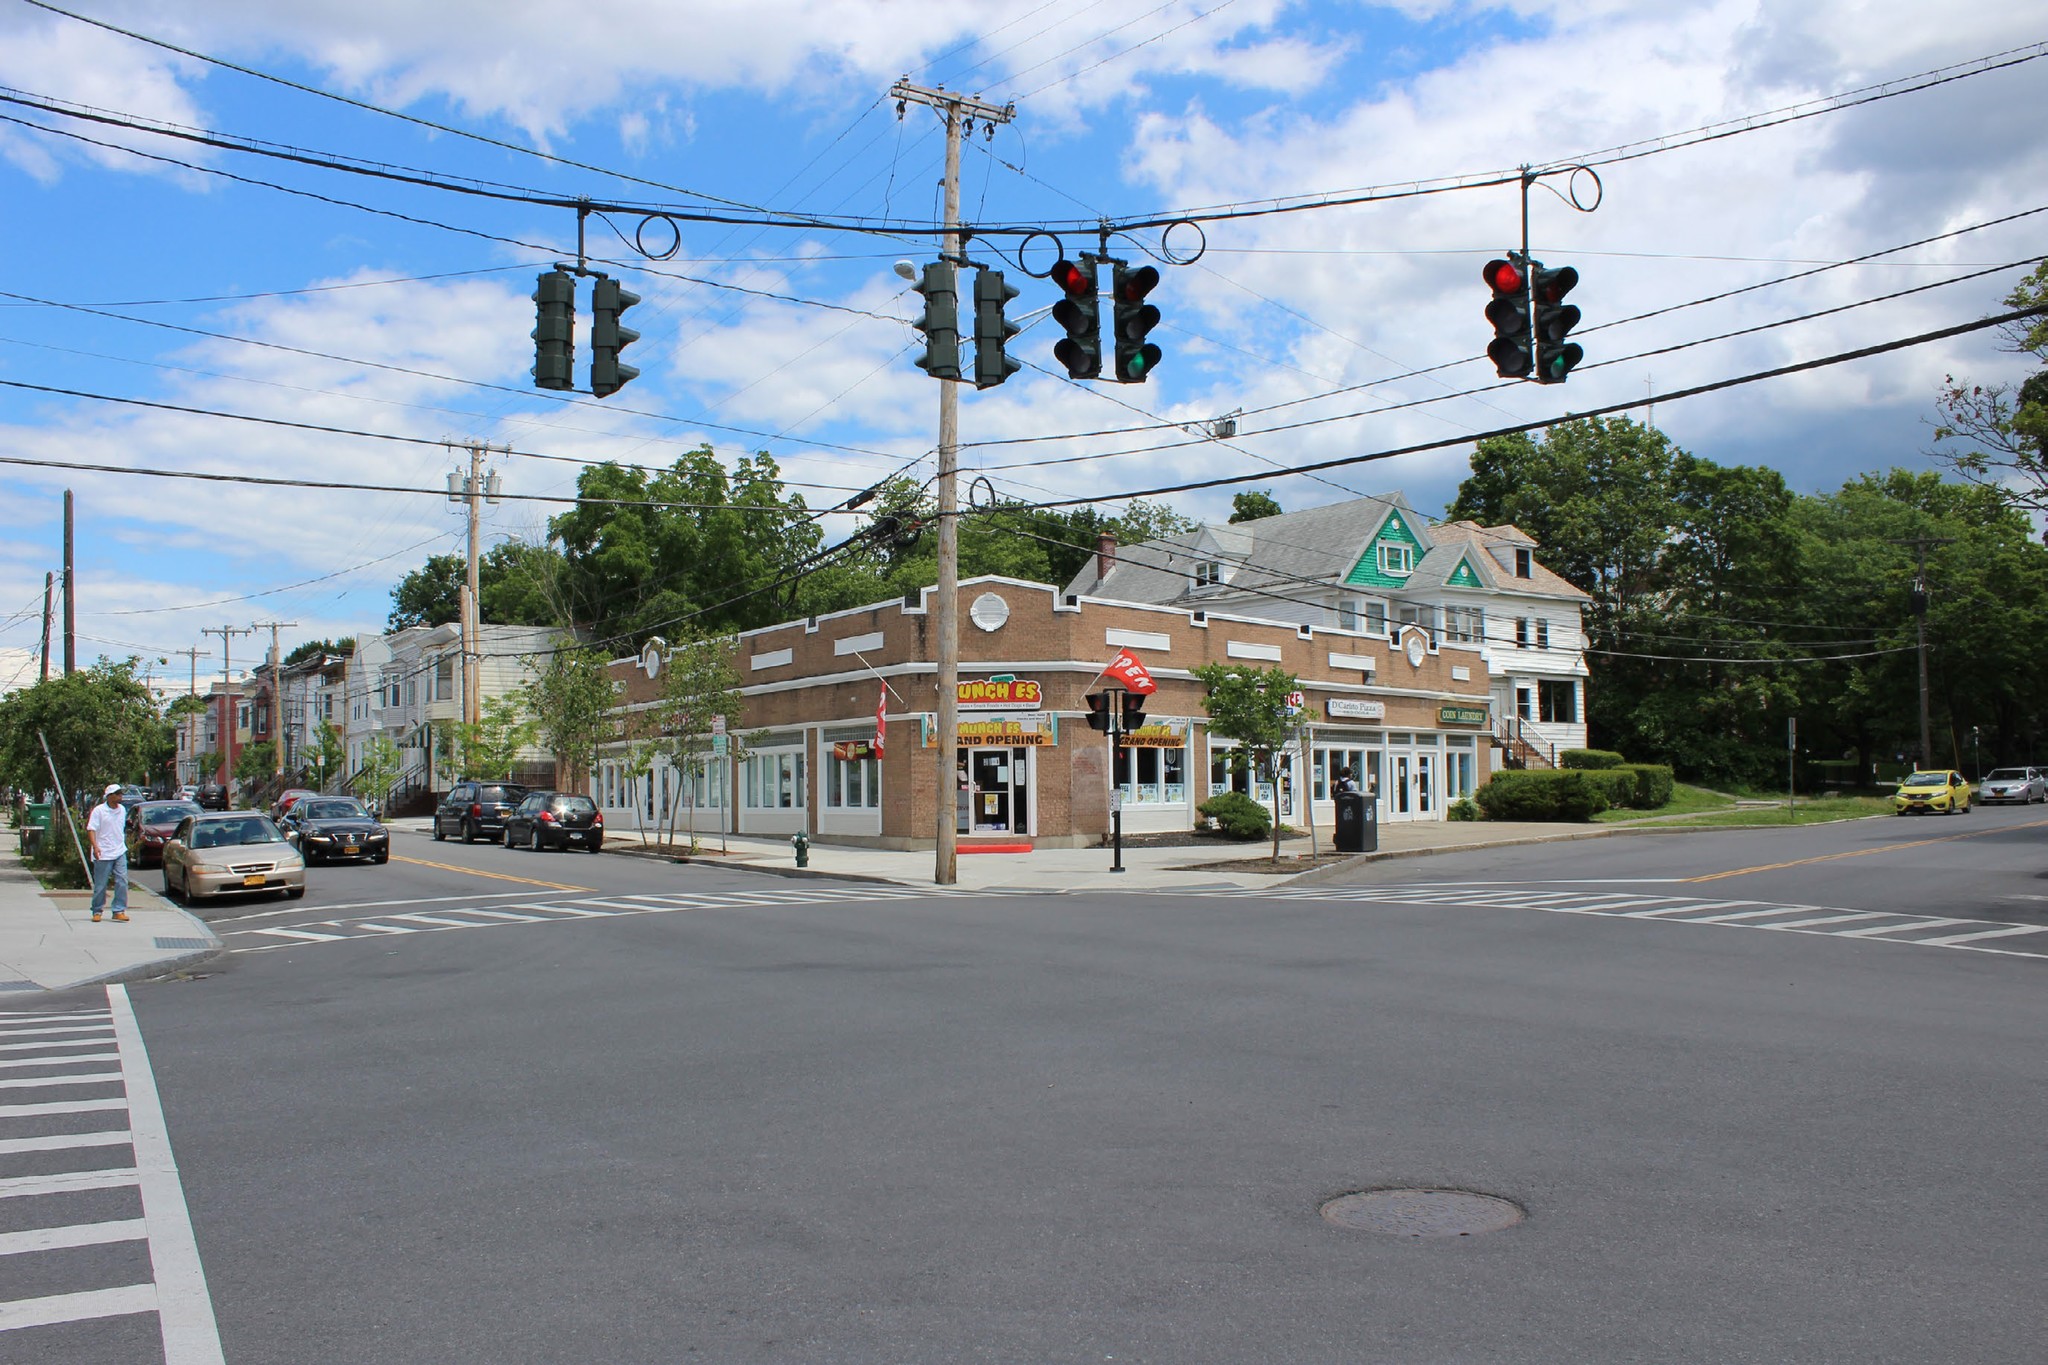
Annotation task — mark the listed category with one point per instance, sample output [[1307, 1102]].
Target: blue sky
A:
[[1124, 108]]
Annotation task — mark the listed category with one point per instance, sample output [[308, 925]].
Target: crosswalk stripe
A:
[[1847, 918], [502, 915], [65, 1060], [573, 911], [30, 1016], [438, 921], [1868, 930], [59, 1142], [46, 1047], [81, 1078], [1740, 915], [296, 935], [375, 928], [35, 1032], [65, 1182], [23, 1111], [78, 1307], [77, 1235], [1988, 933]]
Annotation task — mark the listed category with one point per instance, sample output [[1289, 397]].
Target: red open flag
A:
[[1126, 669], [881, 719]]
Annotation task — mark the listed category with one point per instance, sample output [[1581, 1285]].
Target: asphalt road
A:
[[694, 1114]]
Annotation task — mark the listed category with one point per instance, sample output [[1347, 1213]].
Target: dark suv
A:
[[476, 810]]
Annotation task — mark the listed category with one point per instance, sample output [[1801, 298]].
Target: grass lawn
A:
[[1820, 811], [1684, 801]]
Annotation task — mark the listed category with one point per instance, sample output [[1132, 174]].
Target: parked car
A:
[[2018, 786], [476, 810], [325, 828], [1934, 790], [230, 853], [150, 826], [285, 799], [211, 796], [188, 792], [555, 820]]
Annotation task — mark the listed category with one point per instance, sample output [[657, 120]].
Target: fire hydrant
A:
[[802, 843]]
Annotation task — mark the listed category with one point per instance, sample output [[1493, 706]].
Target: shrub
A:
[[1519, 794], [1588, 760], [1237, 815], [1464, 808], [1653, 784], [1617, 785]]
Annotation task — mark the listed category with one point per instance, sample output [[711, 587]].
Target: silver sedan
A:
[[2012, 786], [231, 853]]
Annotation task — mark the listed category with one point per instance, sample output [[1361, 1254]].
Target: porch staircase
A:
[[1523, 750]]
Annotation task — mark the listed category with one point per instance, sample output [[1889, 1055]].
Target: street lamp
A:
[[1976, 755]]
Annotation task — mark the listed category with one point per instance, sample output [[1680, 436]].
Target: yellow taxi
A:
[[1942, 791]]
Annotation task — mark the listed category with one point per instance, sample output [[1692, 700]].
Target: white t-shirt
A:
[[109, 830]]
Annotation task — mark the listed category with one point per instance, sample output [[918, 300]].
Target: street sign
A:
[[718, 745], [1297, 701], [718, 725]]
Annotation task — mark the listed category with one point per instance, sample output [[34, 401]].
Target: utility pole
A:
[[472, 492], [187, 725], [276, 691], [1921, 544], [49, 586], [195, 655], [227, 701], [70, 596], [960, 112]]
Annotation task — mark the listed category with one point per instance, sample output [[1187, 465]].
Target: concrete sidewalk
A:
[[49, 942], [1087, 869]]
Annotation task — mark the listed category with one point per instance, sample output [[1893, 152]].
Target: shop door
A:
[[998, 791], [1403, 793], [1425, 785]]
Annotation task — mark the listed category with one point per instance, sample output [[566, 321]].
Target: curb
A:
[[162, 966], [1317, 876], [794, 873]]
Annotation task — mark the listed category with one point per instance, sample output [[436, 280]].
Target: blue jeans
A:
[[116, 871]]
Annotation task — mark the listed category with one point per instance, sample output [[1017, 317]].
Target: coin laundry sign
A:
[[1004, 692]]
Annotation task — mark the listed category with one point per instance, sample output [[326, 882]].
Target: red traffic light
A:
[[1502, 276], [1553, 285], [1073, 279]]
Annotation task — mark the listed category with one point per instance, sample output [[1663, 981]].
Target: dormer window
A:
[[1523, 561], [1208, 573], [1398, 560]]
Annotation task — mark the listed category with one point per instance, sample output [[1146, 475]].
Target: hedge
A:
[[1618, 785], [1588, 760], [1539, 794], [1237, 815], [1653, 784]]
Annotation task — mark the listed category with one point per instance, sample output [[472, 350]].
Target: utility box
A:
[[1358, 828]]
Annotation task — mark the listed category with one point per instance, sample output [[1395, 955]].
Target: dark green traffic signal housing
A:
[[1079, 312], [608, 299], [1508, 311], [1135, 357], [1555, 356], [940, 285], [554, 331], [992, 331]]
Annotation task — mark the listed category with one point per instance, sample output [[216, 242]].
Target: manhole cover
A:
[[1422, 1213]]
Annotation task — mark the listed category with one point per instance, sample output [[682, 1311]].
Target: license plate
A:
[[574, 835], [348, 848], [253, 879]]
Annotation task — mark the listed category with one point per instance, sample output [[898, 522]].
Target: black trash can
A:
[[1358, 829]]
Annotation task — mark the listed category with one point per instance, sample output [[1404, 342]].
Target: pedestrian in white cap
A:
[[107, 827]]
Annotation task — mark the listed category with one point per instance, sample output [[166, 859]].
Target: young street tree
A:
[[570, 698], [489, 748], [1249, 705], [101, 722], [700, 682], [382, 764]]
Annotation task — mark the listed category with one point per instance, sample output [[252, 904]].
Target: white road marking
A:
[[27, 1015], [300, 935], [505, 915], [34, 1032], [38, 1082], [379, 905], [23, 1111], [77, 1235], [65, 1182], [57, 1061], [441, 922], [89, 1303], [45, 1047], [373, 927], [1986, 933], [184, 1308], [58, 1142], [1847, 918], [1910, 923]]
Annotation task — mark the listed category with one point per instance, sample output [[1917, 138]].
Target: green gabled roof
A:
[[1393, 531], [1462, 576]]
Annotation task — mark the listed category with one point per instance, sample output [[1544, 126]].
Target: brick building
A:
[[1409, 714]]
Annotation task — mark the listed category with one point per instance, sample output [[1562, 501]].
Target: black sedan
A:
[[555, 820], [150, 826], [334, 828]]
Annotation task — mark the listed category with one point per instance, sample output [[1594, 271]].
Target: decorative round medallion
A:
[[1418, 648], [989, 611], [650, 656]]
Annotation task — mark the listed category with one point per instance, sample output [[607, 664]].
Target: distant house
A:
[[1375, 566]]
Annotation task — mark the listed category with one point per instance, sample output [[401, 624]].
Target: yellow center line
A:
[[1862, 852], [495, 876]]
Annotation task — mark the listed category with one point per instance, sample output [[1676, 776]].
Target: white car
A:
[[2012, 786]]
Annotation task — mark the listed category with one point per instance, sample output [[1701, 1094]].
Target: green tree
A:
[[330, 754], [382, 766], [256, 764], [518, 584], [490, 748], [102, 724], [1996, 435], [342, 647], [1249, 705], [570, 698], [1253, 506], [700, 681]]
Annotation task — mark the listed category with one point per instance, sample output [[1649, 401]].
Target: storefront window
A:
[[852, 783], [774, 781], [1461, 767], [1152, 776]]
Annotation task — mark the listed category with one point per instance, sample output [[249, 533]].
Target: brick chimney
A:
[[1105, 555]]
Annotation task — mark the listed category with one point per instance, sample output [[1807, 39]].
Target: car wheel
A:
[[468, 832], [440, 835], [597, 846], [295, 893], [536, 838], [170, 892]]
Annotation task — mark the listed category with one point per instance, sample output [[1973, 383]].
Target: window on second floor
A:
[[1397, 559], [1208, 573], [1524, 562], [1349, 613], [1542, 633], [444, 679], [1522, 631]]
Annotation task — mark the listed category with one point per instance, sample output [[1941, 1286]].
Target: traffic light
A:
[[992, 331], [1134, 711], [1098, 711], [554, 331], [1135, 357], [940, 285], [1510, 351], [607, 338], [1554, 318], [1080, 313]]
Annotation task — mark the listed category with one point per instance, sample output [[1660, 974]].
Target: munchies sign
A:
[[1004, 692]]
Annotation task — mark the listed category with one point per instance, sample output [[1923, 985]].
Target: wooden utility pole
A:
[[960, 112], [474, 492], [70, 596], [1921, 544], [49, 586], [276, 692], [227, 703]]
